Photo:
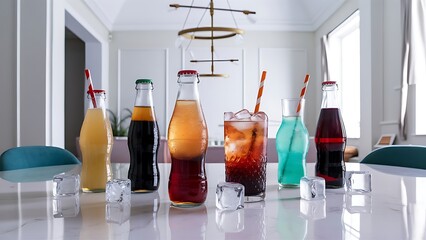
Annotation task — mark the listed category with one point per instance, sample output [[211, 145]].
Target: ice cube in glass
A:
[[66, 184], [118, 190], [66, 206], [229, 196], [312, 188], [357, 181], [242, 115], [117, 212]]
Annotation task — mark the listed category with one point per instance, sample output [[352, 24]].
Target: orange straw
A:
[[260, 92], [92, 94], [303, 92]]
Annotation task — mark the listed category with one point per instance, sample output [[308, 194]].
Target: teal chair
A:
[[410, 156], [35, 156]]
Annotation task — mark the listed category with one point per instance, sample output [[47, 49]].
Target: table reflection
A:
[[143, 216], [188, 223], [254, 223]]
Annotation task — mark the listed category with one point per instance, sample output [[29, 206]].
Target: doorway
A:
[[74, 89]]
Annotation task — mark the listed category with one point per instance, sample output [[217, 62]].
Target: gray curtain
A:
[[413, 51], [324, 59]]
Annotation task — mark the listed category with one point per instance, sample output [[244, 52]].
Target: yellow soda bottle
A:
[[96, 142]]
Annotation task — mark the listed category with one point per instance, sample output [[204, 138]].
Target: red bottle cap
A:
[[187, 72], [97, 91], [328, 83]]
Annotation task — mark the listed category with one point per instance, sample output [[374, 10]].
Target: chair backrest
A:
[[35, 156], [411, 156]]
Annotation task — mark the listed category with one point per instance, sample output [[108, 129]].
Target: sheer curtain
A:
[[324, 59], [413, 51]]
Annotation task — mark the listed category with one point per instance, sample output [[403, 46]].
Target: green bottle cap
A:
[[143, 81]]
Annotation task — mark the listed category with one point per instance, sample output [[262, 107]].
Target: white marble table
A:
[[396, 209]]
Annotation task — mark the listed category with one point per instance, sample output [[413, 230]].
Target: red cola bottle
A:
[[143, 141], [330, 138]]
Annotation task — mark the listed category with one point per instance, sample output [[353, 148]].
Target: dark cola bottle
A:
[[330, 138], [143, 141]]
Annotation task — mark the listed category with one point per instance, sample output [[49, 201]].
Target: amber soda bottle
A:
[[187, 141], [330, 138], [143, 141]]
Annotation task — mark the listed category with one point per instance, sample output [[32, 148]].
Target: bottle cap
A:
[[143, 81], [328, 83], [97, 91], [187, 72]]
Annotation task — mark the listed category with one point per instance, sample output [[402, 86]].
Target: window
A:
[[420, 108], [344, 68]]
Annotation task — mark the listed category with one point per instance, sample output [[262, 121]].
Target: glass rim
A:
[[244, 120]]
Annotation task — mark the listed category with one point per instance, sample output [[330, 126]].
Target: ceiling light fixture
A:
[[211, 33]]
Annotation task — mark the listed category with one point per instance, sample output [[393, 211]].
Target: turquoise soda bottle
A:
[[292, 143]]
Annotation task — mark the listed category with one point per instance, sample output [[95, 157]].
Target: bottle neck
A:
[[291, 108], [188, 87], [100, 101], [330, 97], [144, 95]]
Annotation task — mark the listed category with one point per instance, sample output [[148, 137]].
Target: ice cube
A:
[[66, 206], [259, 116], [118, 190], [230, 221], [357, 181], [312, 188], [117, 212], [242, 115], [228, 116], [229, 196], [66, 184]]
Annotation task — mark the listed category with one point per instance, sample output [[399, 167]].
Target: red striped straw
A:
[[303, 92], [92, 94], [260, 92]]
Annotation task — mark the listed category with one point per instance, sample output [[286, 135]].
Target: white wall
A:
[[152, 54], [7, 74], [33, 55]]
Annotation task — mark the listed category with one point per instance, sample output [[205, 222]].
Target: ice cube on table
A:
[[66, 184], [229, 196], [118, 190], [66, 206], [357, 181], [117, 212], [312, 188]]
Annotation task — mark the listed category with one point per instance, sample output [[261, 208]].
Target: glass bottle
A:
[[330, 138], [96, 142], [292, 143], [143, 141], [187, 141]]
